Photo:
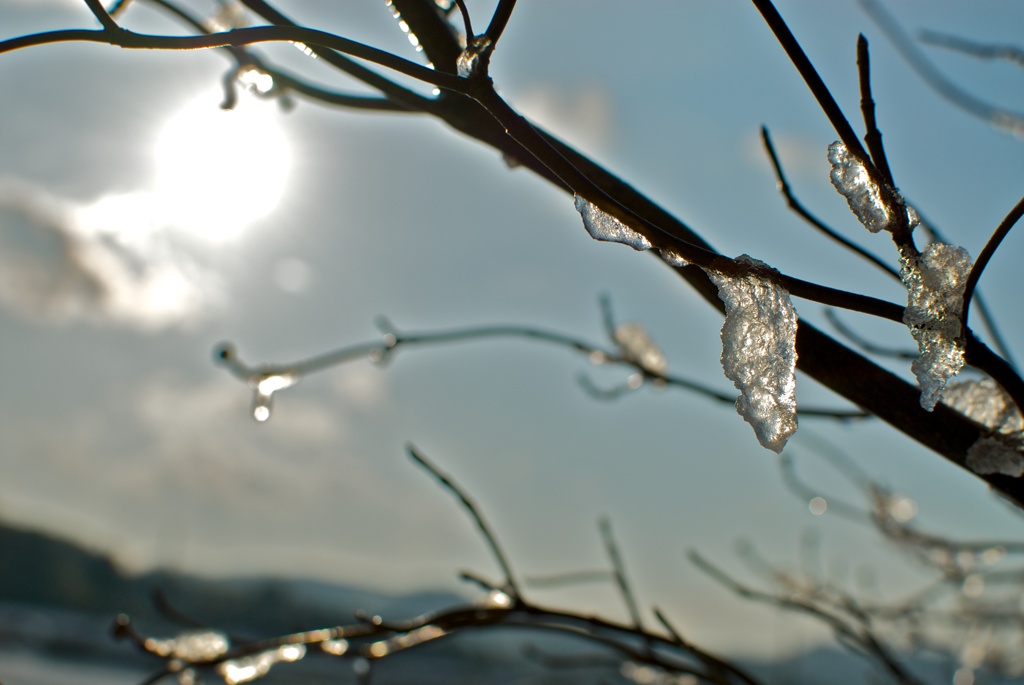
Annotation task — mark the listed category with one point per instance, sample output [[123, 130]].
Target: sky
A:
[[140, 226]]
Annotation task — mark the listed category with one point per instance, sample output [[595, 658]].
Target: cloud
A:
[[582, 117], [108, 262]]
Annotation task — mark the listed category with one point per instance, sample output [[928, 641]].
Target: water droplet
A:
[[818, 506]]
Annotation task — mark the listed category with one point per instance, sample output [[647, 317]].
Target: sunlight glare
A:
[[219, 171]]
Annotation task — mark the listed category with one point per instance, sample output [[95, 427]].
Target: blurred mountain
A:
[[59, 601]]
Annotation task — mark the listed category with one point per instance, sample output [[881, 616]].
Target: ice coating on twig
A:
[[248, 668], [851, 179], [759, 352], [470, 59], [603, 226], [636, 346], [935, 283], [673, 258]]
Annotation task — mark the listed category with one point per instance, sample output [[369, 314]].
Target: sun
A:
[[218, 171]]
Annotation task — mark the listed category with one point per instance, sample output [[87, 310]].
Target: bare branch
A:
[[998, 117], [1009, 53], [873, 137], [474, 512], [1002, 230], [802, 211]]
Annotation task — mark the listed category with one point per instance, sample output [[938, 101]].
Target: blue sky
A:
[[117, 429]]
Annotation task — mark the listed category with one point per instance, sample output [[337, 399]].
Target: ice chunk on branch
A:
[[759, 352], [988, 404], [603, 226], [996, 454], [851, 179], [935, 282], [985, 402]]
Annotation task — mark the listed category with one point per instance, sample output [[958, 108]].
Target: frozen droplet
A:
[[985, 402], [247, 668], [636, 347], [759, 352], [818, 506], [850, 178], [603, 226], [996, 454], [935, 282], [673, 258]]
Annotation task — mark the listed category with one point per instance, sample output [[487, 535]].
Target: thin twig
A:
[[798, 207], [999, 117], [101, 14], [1009, 53], [466, 20], [226, 355], [873, 137], [716, 664], [619, 572], [856, 633], [865, 344], [474, 512], [1002, 230], [499, 20], [899, 224]]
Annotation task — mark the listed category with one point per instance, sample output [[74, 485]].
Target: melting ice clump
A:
[[637, 347], [985, 402], [759, 352], [995, 454], [851, 179], [603, 226], [935, 291]]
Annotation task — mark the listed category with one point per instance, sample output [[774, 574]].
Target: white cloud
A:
[[107, 262], [582, 117]]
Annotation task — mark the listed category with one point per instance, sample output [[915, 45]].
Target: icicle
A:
[[851, 179], [935, 290], [603, 226], [759, 352], [637, 348]]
